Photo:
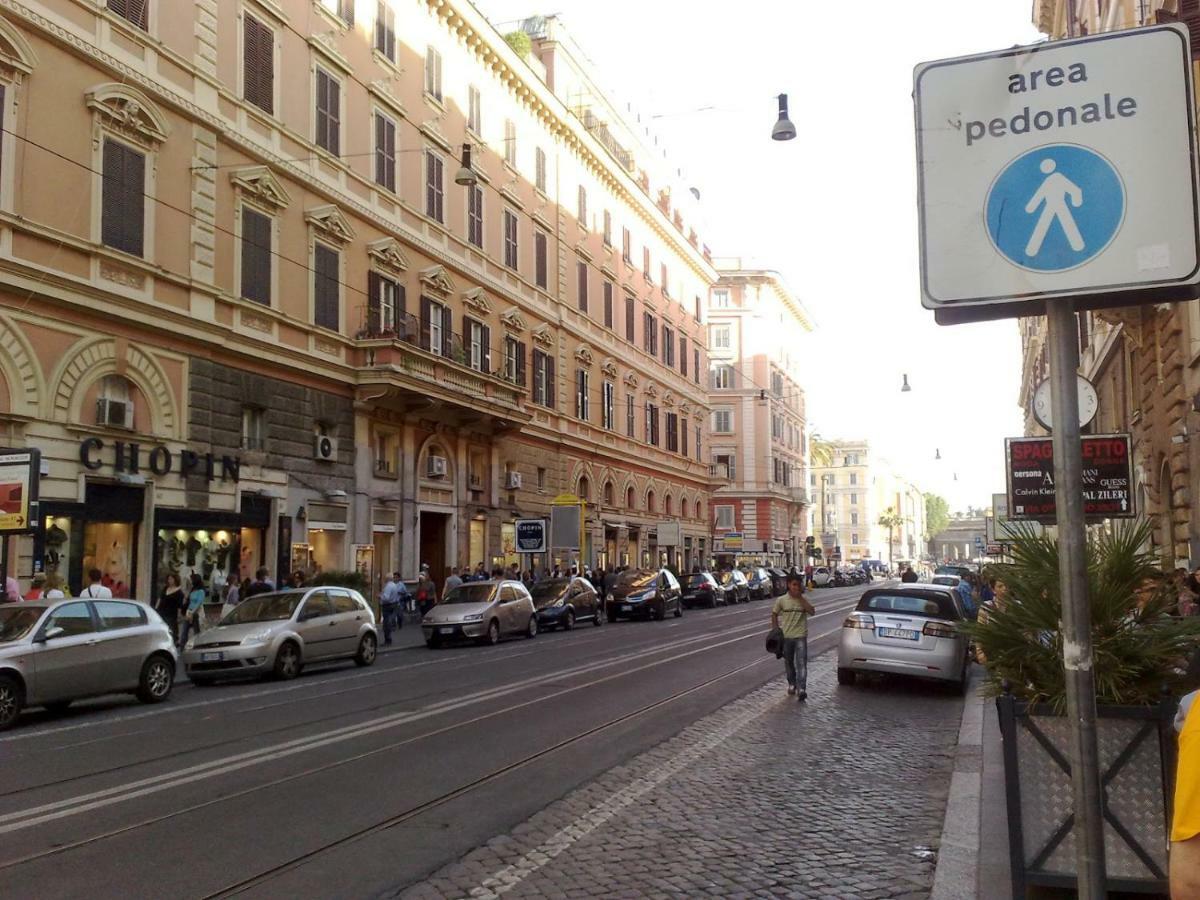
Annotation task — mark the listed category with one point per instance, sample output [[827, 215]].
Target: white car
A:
[[821, 576]]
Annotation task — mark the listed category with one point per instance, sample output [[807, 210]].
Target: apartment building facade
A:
[[250, 318], [757, 328]]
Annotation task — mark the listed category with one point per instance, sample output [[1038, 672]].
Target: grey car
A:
[[280, 632], [483, 611], [910, 629], [54, 652]]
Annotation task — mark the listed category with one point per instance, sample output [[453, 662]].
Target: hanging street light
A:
[[784, 130], [466, 175], [937, 454], [904, 388]]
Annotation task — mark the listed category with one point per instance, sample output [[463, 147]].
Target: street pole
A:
[[1063, 340]]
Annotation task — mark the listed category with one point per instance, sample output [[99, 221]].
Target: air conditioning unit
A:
[[435, 467], [325, 448], [114, 413], [512, 481]]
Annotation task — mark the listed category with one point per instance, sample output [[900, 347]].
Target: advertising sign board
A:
[[1059, 169], [20, 472], [732, 540], [997, 524], [1107, 477], [670, 534], [531, 535]]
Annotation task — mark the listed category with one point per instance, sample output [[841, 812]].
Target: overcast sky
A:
[[834, 210]]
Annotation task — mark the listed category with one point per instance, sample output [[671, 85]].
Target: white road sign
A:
[[1058, 169]]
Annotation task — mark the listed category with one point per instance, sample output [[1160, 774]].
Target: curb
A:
[[957, 871]]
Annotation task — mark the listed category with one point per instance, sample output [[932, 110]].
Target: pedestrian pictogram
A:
[[1055, 207]]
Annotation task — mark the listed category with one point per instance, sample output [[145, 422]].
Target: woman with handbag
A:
[[195, 602]]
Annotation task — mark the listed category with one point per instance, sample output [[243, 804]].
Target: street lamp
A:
[[465, 175], [905, 388], [937, 454], [784, 130]]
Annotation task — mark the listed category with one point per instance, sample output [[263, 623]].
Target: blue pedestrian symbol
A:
[[1055, 207]]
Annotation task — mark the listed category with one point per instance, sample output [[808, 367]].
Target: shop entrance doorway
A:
[[432, 543]]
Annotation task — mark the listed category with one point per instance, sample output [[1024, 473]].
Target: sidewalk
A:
[[973, 859], [407, 638]]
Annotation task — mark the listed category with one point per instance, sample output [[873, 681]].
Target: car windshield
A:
[[950, 580], [546, 590], [932, 606], [479, 592], [634, 580], [697, 580], [264, 608], [17, 621]]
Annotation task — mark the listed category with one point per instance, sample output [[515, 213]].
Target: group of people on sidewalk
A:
[[181, 605]]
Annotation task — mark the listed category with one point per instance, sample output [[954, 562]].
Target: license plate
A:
[[626, 608], [445, 631], [211, 657], [902, 633]]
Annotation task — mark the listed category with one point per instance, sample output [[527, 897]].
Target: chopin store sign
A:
[[1107, 478]]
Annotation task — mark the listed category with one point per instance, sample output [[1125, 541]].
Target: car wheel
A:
[[678, 609], [57, 707], [598, 617], [660, 611], [287, 662], [569, 621], [158, 677], [712, 602], [11, 700], [846, 676], [531, 628], [493, 633], [367, 649]]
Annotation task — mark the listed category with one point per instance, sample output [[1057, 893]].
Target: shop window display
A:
[[71, 548], [218, 556]]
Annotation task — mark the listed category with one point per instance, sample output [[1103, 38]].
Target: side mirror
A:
[[51, 633]]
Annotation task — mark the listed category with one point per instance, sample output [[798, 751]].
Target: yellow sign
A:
[[19, 475]]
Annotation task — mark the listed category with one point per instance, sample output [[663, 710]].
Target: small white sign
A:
[[1058, 169]]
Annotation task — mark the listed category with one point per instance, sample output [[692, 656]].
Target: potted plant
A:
[[1140, 651]]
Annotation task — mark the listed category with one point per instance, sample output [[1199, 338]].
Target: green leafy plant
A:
[[937, 514], [520, 43], [1138, 647]]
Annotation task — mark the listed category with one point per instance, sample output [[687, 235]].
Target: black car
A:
[[565, 601], [778, 580], [759, 583], [644, 593], [736, 586], [703, 589]]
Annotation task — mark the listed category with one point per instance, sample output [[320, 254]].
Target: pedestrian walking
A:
[[389, 605], [452, 582], [56, 588], [426, 593], [966, 591], [260, 585], [908, 576], [96, 589], [168, 603], [195, 603], [37, 587], [790, 614]]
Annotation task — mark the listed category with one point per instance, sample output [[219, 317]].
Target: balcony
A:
[[407, 368], [600, 131]]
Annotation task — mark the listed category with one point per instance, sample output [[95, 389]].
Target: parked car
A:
[[910, 629], [822, 577], [960, 571], [759, 583], [778, 580], [55, 652], [950, 581], [561, 602], [281, 632], [703, 589], [737, 588], [483, 611], [644, 593]]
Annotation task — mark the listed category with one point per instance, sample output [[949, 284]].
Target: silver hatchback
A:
[[278, 633], [482, 611], [910, 629], [54, 652]]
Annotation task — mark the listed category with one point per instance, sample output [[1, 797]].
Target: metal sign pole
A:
[[1063, 341]]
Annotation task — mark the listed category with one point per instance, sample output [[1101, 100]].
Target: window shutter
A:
[[374, 318], [447, 337], [135, 11], [256, 256], [426, 320], [123, 201], [401, 307], [325, 308], [335, 111], [487, 349], [521, 363], [551, 384], [258, 64], [682, 355]]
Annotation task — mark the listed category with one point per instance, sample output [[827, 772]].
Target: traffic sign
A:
[[1059, 169]]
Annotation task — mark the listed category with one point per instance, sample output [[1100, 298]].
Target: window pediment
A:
[[433, 131], [330, 222], [631, 380], [542, 335], [583, 354], [16, 53], [513, 320], [387, 252], [668, 399], [609, 368], [437, 280], [258, 183], [326, 45], [130, 112], [651, 391], [476, 299]]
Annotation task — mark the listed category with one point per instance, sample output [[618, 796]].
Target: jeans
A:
[[389, 622], [795, 659], [190, 621]]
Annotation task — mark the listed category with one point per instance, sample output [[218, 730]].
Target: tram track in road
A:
[[29, 818]]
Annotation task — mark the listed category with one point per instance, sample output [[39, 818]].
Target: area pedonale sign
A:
[[1107, 478], [1062, 169]]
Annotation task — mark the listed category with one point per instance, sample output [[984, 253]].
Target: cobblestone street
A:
[[841, 797]]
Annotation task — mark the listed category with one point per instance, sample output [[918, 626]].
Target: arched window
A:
[[584, 489], [650, 501], [608, 493], [669, 505], [629, 504], [683, 507]]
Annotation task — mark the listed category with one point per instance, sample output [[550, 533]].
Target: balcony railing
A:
[[600, 132]]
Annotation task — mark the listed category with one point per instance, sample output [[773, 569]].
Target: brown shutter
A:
[[326, 312], [426, 322], [374, 317], [487, 349], [256, 257], [447, 336], [551, 384], [123, 198], [135, 11], [258, 64], [521, 363]]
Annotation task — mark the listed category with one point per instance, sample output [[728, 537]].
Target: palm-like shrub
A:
[[1137, 645]]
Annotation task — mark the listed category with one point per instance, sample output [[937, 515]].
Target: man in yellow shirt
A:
[[1185, 821], [790, 614]]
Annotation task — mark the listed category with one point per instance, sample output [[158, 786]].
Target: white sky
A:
[[834, 210]]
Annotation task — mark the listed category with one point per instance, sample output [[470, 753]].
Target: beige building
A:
[[250, 318], [1141, 360], [850, 497], [756, 332]]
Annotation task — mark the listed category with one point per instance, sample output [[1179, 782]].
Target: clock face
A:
[[1088, 403]]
